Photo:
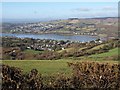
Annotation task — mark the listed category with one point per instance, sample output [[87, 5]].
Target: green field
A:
[[111, 52], [46, 67], [51, 67]]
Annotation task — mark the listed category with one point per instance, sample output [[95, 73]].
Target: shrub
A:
[[89, 75]]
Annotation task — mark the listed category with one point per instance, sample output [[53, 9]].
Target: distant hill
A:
[[101, 26]]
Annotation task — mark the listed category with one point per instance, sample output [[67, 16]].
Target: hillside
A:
[[37, 49], [102, 27]]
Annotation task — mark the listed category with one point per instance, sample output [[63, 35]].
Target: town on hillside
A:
[[102, 27]]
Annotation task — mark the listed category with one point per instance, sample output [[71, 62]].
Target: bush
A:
[[95, 75], [89, 75]]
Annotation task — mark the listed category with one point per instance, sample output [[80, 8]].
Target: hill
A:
[[102, 27]]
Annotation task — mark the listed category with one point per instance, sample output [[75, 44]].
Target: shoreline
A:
[[64, 34], [53, 36]]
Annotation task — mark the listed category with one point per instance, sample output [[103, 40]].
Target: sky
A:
[[60, 0], [58, 10]]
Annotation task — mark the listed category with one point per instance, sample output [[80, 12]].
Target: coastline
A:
[[53, 36], [64, 34]]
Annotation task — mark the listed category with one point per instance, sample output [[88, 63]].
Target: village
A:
[[29, 48], [41, 28]]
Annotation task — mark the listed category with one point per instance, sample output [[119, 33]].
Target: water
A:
[[82, 38]]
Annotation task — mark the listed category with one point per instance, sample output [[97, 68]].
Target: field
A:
[[47, 67], [111, 52], [65, 73], [51, 67]]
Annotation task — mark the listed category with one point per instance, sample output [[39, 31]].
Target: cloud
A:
[[97, 14], [109, 8], [35, 12], [81, 9]]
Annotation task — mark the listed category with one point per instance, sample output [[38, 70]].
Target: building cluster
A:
[[56, 27]]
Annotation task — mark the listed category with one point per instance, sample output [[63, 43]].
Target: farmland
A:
[[52, 62], [36, 63], [111, 52], [48, 67], [90, 65], [45, 67]]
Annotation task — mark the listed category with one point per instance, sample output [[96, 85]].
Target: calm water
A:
[[82, 38]]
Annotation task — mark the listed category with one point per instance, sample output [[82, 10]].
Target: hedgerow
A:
[[90, 75]]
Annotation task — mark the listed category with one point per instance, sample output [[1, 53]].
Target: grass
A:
[[97, 47], [111, 52], [47, 67], [51, 67]]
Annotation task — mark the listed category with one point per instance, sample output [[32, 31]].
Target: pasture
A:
[[48, 67], [111, 52]]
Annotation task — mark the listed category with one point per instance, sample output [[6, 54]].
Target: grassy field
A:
[[111, 52], [47, 67]]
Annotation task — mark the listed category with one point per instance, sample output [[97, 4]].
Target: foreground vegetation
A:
[[84, 75]]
